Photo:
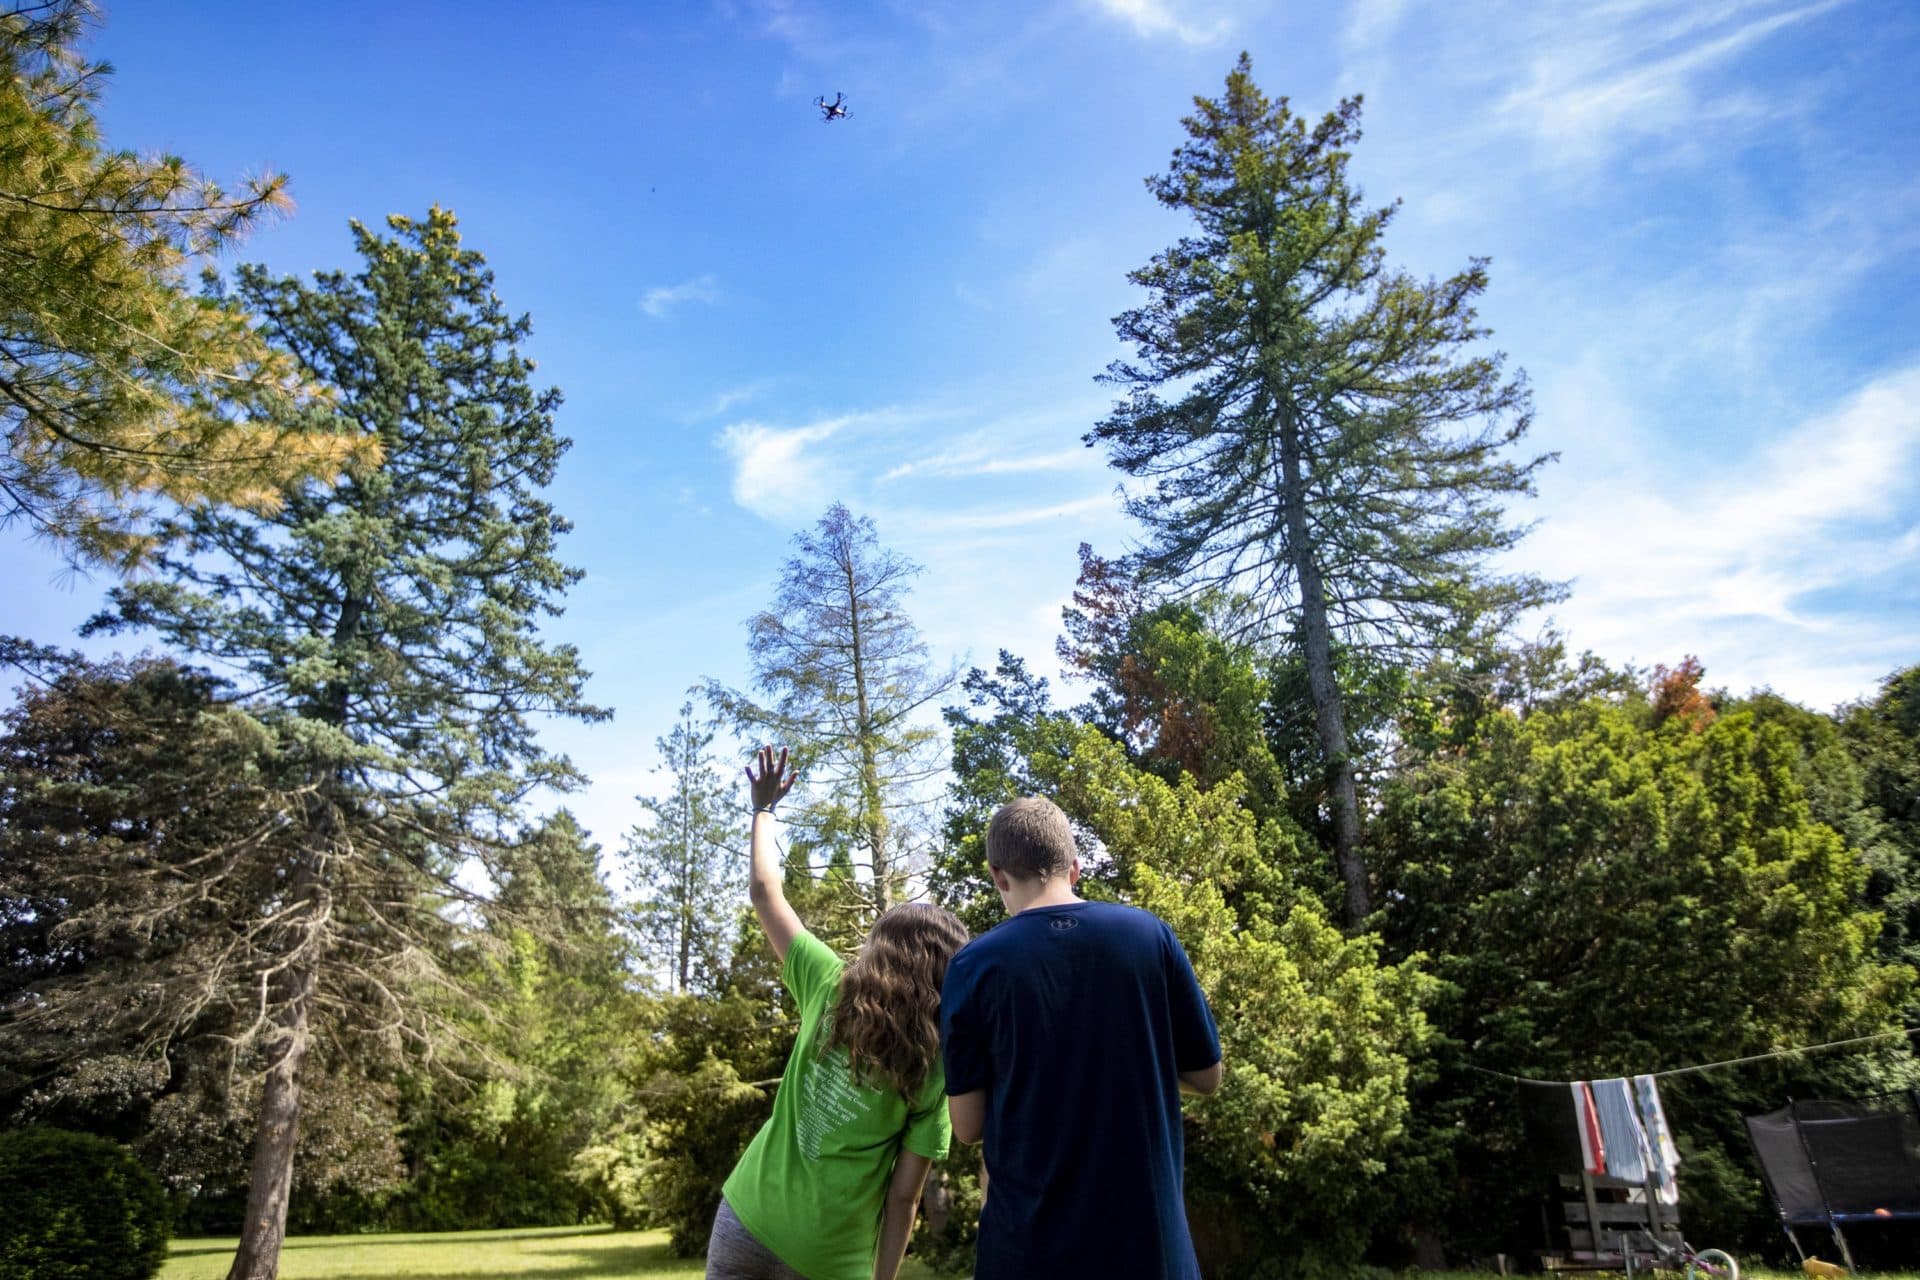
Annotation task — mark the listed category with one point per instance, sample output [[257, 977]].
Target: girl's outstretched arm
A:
[[765, 883]]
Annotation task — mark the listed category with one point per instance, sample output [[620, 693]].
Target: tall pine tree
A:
[[686, 862], [394, 621], [847, 684], [1319, 435]]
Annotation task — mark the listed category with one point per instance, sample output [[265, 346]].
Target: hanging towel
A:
[[1666, 1158], [1592, 1149], [1626, 1142]]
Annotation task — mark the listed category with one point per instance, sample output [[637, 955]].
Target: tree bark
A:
[[874, 819], [686, 876], [265, 1226], [1329, 716]]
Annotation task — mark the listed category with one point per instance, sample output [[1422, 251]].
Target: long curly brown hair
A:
[[887, 1016]]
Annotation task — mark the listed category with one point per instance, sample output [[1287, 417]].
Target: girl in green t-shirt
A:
[[828, 1188]]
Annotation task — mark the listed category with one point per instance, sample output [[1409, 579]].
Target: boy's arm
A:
[[1196, 1041], [765, 885], [968, 1112], [896, 1220], [1204, 1081]]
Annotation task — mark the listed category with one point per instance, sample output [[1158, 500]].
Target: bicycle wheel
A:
[[1712, 1264]]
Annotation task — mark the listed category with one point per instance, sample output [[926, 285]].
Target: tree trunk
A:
[[874, 818], [270, 1184], [686, 875], [1329, 716], [265, 1225]]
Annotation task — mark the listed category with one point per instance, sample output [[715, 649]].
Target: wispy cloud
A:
[[976, 462], [1761, 568], [1190, 23], [1598, 76], [663, 298], [1371, 21], [782, 473], [1019, 517], [731, 396]]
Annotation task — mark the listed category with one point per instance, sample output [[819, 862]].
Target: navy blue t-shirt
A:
[[1078, 1020]]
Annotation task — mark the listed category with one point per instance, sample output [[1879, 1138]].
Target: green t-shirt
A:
[[813, 1181]]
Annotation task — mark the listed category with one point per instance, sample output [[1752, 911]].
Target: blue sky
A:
[[1703, 215]]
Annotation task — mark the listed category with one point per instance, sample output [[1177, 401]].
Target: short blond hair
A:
[[1030, 839]]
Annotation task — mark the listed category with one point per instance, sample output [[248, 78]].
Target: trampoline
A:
[[1839, 1163]]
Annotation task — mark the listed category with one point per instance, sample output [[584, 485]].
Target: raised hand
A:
[[771, 784]]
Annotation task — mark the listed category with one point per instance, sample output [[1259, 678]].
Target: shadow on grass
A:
[[558, 1253], [442, 1238]]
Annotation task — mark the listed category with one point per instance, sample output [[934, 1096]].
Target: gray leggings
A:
[[734, 1254]]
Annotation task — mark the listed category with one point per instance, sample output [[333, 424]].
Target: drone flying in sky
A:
[[835, 110]]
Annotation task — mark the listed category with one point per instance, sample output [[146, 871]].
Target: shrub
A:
[[77, 1208]]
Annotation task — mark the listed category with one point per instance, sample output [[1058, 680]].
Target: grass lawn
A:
[[560, 1253], [556, 1253]]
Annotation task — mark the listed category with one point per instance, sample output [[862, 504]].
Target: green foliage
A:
[[1604, 897], [1008, 723], [197, 1137], [137, 843], [116, 783], [1288, 339], [497, 1147], [117, 382], [1167, 684], [1883, 735], [392, 623], [1317, 435], [686, 861], [845, 681], [77, 1208], [704, 1087]]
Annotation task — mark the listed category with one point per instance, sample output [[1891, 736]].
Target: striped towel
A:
[[1626, 1141]]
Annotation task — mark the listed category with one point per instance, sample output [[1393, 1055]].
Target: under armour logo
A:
[[1064, 922]]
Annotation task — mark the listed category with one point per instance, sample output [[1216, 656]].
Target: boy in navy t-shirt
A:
[[1070, 1030]]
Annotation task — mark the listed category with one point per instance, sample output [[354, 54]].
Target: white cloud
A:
[[1018, 518], [1599, 75], [1176, 18], [773, 473], [1783, 569], [780, 473], [732, 396], [1372, 21], [661, 299], [976, 462]]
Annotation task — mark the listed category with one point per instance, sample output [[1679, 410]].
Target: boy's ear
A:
[[1001, 880], [1073, 870]]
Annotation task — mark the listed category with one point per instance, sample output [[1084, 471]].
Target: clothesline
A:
[[1713, 1066]]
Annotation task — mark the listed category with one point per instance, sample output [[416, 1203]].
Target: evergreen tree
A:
[[1009, 721], [393, 621], [116, 380], [499, 1151], [1883, 734], [685, 861], [1606, 896], [1318, 437], [846, 677], [144, 820]]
